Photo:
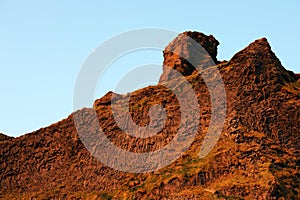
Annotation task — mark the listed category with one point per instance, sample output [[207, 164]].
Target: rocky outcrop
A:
[[258, 96], [183, 54], [258, 58], [4, 137], [257, 156]]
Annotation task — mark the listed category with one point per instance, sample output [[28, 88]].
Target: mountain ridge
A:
[[256, 157]]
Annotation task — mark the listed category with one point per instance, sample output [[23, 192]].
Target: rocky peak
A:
[[209, 43], [259, 61], [105, 100], [256, 157], [183, 46]]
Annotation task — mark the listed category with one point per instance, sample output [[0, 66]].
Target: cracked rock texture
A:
[[256, 157]]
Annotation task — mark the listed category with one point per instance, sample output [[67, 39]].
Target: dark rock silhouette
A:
[[4, 137]]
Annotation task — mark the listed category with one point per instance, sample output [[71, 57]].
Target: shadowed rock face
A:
[[4, 137], [257, 156]]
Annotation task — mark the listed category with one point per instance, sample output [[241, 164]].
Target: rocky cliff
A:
[[256, 157]]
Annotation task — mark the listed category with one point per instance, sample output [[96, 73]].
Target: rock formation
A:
[[256, 157], [183, 48]]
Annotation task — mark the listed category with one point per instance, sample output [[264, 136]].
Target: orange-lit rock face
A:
[[257, 156], [182, 47]]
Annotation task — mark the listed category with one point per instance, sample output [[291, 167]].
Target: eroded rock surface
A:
[[257, 156]]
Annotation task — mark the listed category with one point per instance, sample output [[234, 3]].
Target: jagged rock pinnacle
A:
[[182, 45], [259, 59]]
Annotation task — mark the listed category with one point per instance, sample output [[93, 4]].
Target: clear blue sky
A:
[[43, 44]]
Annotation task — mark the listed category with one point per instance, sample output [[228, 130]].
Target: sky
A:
[[43, 45]]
